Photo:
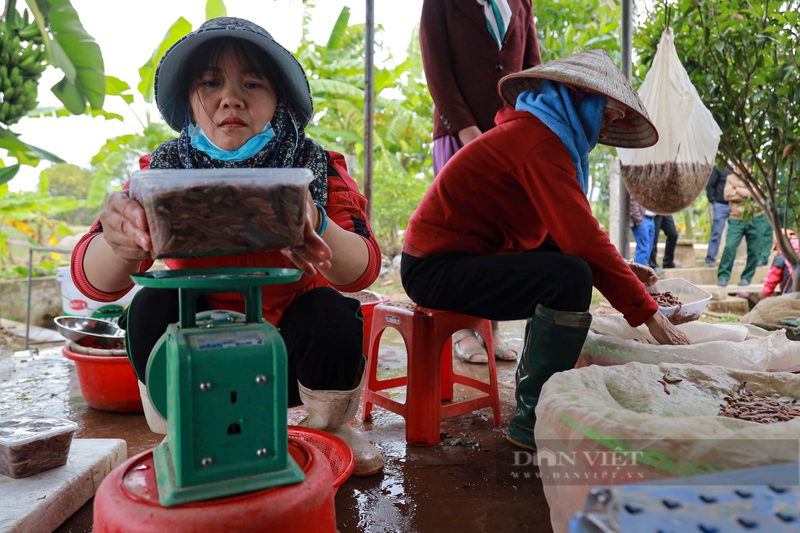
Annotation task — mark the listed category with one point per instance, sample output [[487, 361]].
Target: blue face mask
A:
[[201, 142]]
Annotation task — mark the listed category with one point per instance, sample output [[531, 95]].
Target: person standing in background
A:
[[643, 228], [780, 274], [467, 46], [736, 193], [666, 223], [715, 191]]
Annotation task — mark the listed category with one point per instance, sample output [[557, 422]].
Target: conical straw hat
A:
[[595, 72]]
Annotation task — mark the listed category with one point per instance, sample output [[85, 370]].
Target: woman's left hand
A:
[[314, 254], [645, 274]]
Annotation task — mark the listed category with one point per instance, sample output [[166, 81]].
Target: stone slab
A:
[[721, 293], [37, 334], [41, 503], [708, 276], [730, 305]]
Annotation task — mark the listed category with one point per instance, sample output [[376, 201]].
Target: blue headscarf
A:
[[575, 116]]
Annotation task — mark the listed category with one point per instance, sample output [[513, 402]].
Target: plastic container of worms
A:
[[694, 300], [30, 444], [213, 212]]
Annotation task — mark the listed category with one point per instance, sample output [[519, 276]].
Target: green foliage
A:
[[742, 57], [147, 73], [215, 8], [403, 119], [30, 214], [57, 28], [72, 50], [71, 180], [22, 55], [568, 26]]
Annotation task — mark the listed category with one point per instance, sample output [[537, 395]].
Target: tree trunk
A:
[[687, 220]]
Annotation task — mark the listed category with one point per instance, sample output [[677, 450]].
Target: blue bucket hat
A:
[[170, 78]]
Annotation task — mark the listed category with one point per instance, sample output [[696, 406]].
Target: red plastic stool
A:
[[430, 377]]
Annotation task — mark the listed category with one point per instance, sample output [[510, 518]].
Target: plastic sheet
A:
[[612, 341]]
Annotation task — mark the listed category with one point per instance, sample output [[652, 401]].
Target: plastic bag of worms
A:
[[637, 423], [611, 341], [213, 212]]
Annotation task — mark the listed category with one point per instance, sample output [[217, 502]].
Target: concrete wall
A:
[[45, 300]]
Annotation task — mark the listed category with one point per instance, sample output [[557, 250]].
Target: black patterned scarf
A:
[[290, 148]]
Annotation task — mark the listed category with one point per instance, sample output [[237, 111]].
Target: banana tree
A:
[[48, 32]]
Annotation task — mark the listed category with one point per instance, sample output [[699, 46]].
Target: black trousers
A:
[[499, 287], [666, 223], [323, 332]]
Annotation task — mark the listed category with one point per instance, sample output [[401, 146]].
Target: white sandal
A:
[[501, 349], [467, 356]]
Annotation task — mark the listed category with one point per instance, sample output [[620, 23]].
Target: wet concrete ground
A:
[[453, 486]]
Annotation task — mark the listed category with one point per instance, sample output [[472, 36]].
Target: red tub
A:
[[108, 383], [368, 301]]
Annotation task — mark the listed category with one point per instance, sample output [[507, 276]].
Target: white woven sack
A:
[[584, 413], [612, 341], [669, 176]]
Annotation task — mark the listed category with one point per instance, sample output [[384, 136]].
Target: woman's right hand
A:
[[467, 135], [125, 227], [664, 332]]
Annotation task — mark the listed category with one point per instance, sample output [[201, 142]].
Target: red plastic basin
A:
[[107, 383]]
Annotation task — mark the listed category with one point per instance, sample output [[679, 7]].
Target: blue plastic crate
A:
[[763, 500]]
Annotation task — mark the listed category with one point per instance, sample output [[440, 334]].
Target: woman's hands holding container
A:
[[664, 331], [314, 254], [125, 227]]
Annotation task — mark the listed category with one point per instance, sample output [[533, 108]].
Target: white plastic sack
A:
[[669, 176], [612, 341], [773, 310], [586, 414]]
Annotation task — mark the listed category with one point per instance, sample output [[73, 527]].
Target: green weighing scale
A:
[[219, 378]]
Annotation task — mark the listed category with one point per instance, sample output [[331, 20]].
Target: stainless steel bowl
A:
[[99, 332]]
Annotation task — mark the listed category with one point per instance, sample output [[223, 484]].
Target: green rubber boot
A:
[[553, 342]]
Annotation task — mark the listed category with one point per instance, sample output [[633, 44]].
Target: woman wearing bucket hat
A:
[[240, 100], [506, 231]]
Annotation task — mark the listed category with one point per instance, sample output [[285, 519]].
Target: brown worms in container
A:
[[31, 444], [745, 405], [666, 299], [218, 218], [666, 386]]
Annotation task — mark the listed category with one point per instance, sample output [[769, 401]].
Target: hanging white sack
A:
[[668, 176]]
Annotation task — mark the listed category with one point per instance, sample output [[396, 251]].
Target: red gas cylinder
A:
[[108, 383], [127, 502]]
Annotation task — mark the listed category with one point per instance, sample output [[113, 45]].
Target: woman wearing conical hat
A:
[[506, 231]]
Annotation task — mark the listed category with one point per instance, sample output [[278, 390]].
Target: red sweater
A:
[[508, 192], [345, 207]]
